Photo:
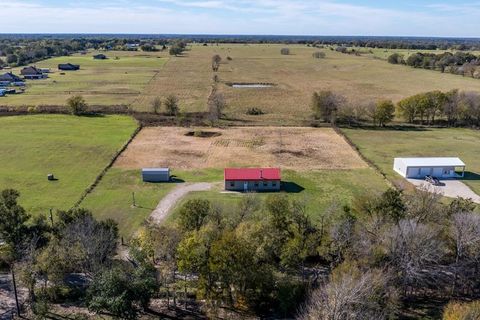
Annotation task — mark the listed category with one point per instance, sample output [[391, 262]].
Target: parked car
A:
[[432, 180]]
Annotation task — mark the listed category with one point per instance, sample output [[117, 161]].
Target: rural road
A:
[[166, 204]]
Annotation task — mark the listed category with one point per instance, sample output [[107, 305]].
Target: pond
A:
[[251, 85]]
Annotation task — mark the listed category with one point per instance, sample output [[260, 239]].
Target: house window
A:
[[232, 184], [265, 184], [274, 184], [256, 184]]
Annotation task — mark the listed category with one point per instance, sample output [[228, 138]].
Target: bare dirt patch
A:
[[301, 149]]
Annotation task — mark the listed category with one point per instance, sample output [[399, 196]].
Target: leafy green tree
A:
[[194, 213], [384, 112], [13, 220], [77, 105], [119, 290], [391, 204], [408, 108], [395, 58], [171, 105]]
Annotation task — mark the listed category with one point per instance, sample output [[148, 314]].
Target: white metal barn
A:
[[419, 168], [156, 174]]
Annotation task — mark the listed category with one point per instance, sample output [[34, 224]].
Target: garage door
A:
[[425, 172]]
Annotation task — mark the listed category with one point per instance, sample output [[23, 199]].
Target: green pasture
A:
[[74, 149]]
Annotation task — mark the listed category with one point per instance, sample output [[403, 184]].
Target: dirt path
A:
[[166, 204]]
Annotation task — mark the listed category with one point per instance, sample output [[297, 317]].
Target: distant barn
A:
[[156, 174], [100, 56], [68, 67], [252, 179]]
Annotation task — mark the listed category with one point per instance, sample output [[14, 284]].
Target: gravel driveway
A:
[[166, 204], [451, 189]]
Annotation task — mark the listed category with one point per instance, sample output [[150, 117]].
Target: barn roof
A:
[[248, 174], [433, 162]]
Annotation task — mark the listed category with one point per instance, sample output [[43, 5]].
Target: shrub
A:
[[462, 311], [255, 111], [319, 55], [171, 105], [77, 105]]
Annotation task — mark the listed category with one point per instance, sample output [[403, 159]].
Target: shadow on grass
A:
[[471, 176], [291, 187]]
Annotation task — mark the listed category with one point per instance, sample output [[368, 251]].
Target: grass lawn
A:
[[382, 145], [112, 198], [74, 149], [100, 82], [321, 189]]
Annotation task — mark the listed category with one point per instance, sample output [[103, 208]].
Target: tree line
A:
[[452, 108], [460, 63]]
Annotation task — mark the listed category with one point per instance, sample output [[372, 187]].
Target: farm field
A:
[[137, 78], [381, 146], [100, 82], [295, 77], [74, 149], [292, 148]]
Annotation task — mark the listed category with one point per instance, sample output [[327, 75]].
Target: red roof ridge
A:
[[252, 174]]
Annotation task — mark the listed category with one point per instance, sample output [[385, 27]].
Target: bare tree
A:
[[216, 59], [216, 106], [156, 105], [465, 233], [415, 251], [350, 297]]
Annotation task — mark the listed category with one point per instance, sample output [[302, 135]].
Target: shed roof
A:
[[153, 170], [433, 162], [249, 174]]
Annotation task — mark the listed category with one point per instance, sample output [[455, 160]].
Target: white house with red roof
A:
[[252, 179]]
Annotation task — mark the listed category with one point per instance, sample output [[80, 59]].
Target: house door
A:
[[245, 186]]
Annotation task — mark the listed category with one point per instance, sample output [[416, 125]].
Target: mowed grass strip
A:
[[382, 145], [100, 82], [74, 149]]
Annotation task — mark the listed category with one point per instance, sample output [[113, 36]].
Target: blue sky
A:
[[285, 17]]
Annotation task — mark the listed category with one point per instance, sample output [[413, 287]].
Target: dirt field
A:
[[299, 149]]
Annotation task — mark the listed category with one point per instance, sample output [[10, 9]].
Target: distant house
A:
[[2, 92], [9, 78], [68, 67], [419, 168], [252, 179], [156, 174], [32, 72], [100, 56]]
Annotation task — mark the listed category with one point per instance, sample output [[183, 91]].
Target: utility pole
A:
[[15, 290]]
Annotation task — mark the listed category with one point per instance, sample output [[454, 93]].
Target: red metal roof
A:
[[248, 174]]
